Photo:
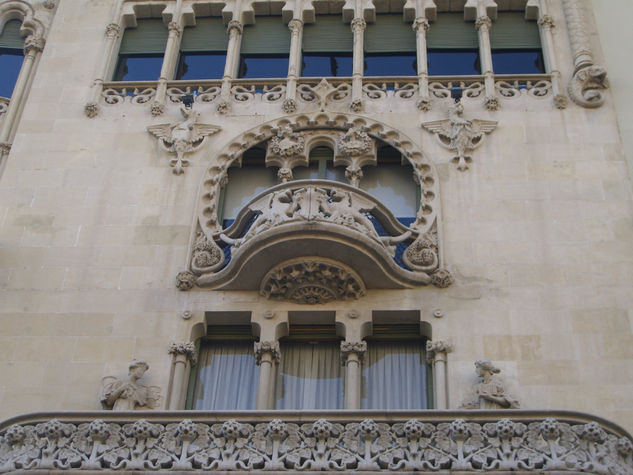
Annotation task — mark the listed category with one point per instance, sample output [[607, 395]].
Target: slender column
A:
[[183, 356], [483, 25], [33, 46], [266, 353], [294, 64], [113, 32], [169, 64], [352, 354], [421, 26], [436, 352], [545, 25], [234, 30], [358, 29]]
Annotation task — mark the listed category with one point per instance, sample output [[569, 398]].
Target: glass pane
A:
[[393, 186], [227, 376], [328, 65], [453, 62], [10, 64], [309, 376], [518, 62], [138, 68], [394, 376], [263, 66], [243, 185], [335, 173], [390, 65], [306, 173], [201, 66]]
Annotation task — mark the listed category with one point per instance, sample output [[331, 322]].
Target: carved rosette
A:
[[492, 103], [437, 346], [113, 30], [207, 255], [289, 106], [359, 348], [483, 22], [188, 349], [356, 105], [355, 142], [224, 107], [185, 280], [442, 278], [157, 109], [312, 281], [286, 143], [271, 347], [91, 109]]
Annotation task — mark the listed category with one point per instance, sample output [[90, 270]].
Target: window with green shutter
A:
[[141, 52], [452, 46], [390, 47], [516, 45], [11, 55], [203, 50], [265, 48], [327, 48]]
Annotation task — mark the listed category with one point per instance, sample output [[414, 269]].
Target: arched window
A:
[[11, 55]]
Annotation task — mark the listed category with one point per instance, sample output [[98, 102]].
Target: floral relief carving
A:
[[358, 348], [207, 255], [270, 347], [286, 143], [324, 94], [186, 348], [354, 142]]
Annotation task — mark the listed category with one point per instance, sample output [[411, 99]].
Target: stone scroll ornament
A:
[[460, 135], [183, 137], [128, 395]]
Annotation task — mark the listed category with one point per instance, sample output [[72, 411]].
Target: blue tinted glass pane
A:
[[10, 64], [390, 65], [518, 61], [319, 65], [453, 62], [201, 66], [138, 68], [263, 66]]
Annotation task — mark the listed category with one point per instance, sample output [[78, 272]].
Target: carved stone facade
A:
[[122, 395]]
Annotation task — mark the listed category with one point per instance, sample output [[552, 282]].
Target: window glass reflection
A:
[[201, 66], [326, 64], [138, 67], [453, 62], [390, 64], [268, 66], [518, 61], [10, 64]]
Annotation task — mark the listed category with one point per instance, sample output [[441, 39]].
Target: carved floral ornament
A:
[[519, 443], [331, 213]]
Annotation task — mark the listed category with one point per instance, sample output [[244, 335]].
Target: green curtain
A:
[[450, 31], [512, 31], [389, 34], [209, 34], [269, 35], [328, 35], [150, 36], [10, 37]]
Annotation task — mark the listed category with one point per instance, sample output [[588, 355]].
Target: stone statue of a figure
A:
[[490, 392], [128, 395]]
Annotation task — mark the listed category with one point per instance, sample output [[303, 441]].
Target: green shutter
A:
[[321, 153], [328, 35], [389, 34], [450, 31], [209, 34], [512, 31], [269, 35], [150, 36], [10, 37]]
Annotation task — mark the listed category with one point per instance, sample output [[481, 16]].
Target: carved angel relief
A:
[[460, 135], [186, 136]]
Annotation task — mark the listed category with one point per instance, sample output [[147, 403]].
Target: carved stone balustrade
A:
[[520, 442]]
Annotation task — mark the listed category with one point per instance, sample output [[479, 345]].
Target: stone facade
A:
[[535, 238]]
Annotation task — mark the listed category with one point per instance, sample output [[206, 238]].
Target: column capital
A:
[[420, 24], [186, 348], [295, 25], [5, 148], [358, 24], [483, 22], [437, 346], [174, 27], [271, 347], [546, 21], [33, 43], [234, 25], [353, 347], [113, 30]]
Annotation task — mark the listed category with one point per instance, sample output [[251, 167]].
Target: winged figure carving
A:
[[185, 136], [460, 135]]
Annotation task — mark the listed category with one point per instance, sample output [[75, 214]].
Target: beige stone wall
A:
[[94, 228]]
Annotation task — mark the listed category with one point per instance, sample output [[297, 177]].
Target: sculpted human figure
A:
[[128, 395], [490, 392]]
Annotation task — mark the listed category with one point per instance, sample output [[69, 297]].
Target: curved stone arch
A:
[[215, 178], [23, 11]]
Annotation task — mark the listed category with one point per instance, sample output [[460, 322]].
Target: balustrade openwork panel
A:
[[523, 441]]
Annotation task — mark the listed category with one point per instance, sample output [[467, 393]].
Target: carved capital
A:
[[174, 27], [492, 103], [236, 26], [359, 348], [284, 175], [224, 107], [187, 348], [358, 24], [483, 22], [5, 148], [295, 25], [420, 23], [91, 109], [33, 44], [271, 347], [185, 280], [424, 104], [437, 346], [546, 22], [113, 30], [356, 105]]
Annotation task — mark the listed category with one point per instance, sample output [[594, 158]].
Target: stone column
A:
[[113, 32], [358, 30], [231, 67], [266, 353], [545, 25], [421, 26], [483, 25], [169, 65], [183, 356], [294, 65], [33, 46], [352, 354], [436, 353]]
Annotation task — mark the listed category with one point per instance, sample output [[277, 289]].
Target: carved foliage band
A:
[[501, 445]]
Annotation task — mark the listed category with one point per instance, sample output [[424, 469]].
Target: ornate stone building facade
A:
[[328, 235]]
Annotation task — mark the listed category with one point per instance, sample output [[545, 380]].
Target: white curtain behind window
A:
[[309, 376], [394, 376], [227, 376]]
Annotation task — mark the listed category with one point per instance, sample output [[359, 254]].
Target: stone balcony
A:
[[517, 441]]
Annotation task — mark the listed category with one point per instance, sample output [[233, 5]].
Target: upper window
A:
[[141, 52], [390, 47], [265, 48], [516, 45], [327, 48], [453, 47], [203, 50], [11, 55], [321, 167]]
